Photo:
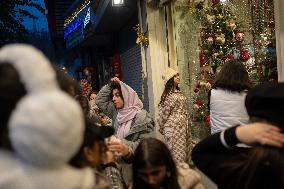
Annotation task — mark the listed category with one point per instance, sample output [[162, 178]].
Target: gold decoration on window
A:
[[142, 38]]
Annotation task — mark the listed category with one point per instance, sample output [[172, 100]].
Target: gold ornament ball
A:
[[220, 16]]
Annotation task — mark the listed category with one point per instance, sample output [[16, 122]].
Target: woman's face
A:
[[176, 79], [93, 97], [153, 176], [117, 99]]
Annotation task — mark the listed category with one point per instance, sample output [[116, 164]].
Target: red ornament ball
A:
[[244, 55], [207, 120]]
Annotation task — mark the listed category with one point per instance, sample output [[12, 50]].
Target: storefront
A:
[[177, 30], [103, 37]]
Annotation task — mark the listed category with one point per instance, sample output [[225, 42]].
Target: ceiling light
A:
[[117, 2]]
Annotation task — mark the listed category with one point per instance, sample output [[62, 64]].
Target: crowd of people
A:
[[53, 136]]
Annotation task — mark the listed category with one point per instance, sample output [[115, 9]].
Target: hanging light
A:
[[117, 2]]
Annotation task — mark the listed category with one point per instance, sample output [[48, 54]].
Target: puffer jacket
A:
[[227, 109], [12, 174]]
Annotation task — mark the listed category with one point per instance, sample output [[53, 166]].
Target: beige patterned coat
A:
[[174, 125]]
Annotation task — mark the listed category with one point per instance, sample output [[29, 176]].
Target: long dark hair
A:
[[118, 87], [66, 83], [154, 152], [11, 91], [260, 167], [169, 87], [84, 103], [233, 77], [93, 133], [92, 92]]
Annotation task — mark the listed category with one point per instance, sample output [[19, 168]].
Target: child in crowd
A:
[[154, 168], [93, 153]]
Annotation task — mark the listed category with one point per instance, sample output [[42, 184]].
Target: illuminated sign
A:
[[76, 13], [72, 26], [87, 17]]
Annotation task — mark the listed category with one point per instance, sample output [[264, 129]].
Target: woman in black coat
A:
[[258, 166]]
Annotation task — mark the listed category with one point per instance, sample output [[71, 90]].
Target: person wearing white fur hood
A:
[[45, 125]]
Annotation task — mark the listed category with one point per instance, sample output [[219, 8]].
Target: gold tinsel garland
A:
[[142, 38]]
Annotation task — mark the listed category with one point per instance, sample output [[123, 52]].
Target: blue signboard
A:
[[87, 17], [83, 19], [72, 27], [78, 29]]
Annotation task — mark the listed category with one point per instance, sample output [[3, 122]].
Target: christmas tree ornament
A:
[[244, 55], [229, 57], [220, 39], [211, 19], [210, 40], [142, 39], [220, 16], [231, 24], [239, 36], [207, 120]]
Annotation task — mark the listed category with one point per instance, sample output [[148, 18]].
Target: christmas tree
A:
[[221, 40]]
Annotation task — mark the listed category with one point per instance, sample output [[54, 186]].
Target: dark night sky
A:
[[41, 23]]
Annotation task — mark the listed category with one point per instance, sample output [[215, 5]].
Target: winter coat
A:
[[12, 175], [93, 115], [113, 175], [142, 126], [46, 127], [63, 177], [174, 125], [101, 182], [229, 166], [227, 109]]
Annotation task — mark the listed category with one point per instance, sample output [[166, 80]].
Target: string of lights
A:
[[76, 12]]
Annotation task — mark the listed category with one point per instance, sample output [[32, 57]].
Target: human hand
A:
[[93, 103], [118, 148], [260, 133], [109, 157], [104, 120], [115, 80]]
